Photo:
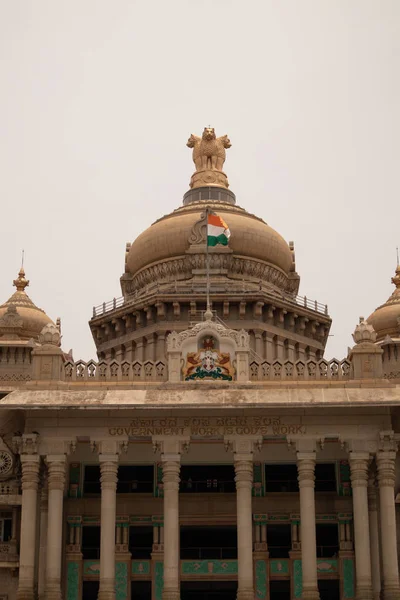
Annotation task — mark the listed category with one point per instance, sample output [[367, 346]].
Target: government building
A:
[[210, 451]]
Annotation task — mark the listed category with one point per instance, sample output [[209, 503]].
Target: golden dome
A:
[[169, 237], [386, 318], [20, 305]]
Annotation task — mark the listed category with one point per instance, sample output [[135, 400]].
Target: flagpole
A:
[[207, 264]]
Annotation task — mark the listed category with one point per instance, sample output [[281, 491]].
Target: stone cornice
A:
[[209, 396]]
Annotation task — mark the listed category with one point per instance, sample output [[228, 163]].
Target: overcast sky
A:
[[98, 98]]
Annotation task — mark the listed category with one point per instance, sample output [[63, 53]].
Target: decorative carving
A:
[[11, 321], [199, 231], [208, 363], [364, 332], [50, 334], [209, 157], [240, 338], [6, 462]]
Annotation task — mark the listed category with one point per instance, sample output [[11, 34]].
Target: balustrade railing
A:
[[310, 370], [114, 371], [185, 291], [157, 371]]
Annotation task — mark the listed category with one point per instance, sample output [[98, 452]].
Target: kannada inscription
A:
[[208, 427]]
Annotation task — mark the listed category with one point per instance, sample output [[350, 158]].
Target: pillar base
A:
[[171, 595], [245, 594], [310, 594], [25, 594], [390, 592], [364, 593], [106, 595], [53, 592]]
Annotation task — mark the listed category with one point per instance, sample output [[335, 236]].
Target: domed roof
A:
[[386, 318], [28, 319], [169, 237]]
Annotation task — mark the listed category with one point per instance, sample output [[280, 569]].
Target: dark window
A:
[[5, 529], [208, 590], [140, 590], [131, 479], [91, 541], [329, 589], [90, 590], [208, 542], [91, 481], [279, 590], [279, 538], [207, 479], [281, 478], [327, 540], [135, 479], [141, 541], [325, 477]]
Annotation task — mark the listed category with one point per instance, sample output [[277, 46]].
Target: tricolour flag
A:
[[217, 231]]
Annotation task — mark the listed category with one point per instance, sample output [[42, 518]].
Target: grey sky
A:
[[99, 97]]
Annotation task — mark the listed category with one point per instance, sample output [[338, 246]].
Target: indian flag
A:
[[217, 230]]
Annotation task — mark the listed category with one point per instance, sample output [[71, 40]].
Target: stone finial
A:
[[50, 334], [364, 332], [21, 282]]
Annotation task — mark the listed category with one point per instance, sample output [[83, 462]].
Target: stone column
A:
[[374, 537], [306, 468], [171, 468], [56, 483], [30, 481], [108, 479], [44, 507], [385, 462], [243, 462], [359, 482]]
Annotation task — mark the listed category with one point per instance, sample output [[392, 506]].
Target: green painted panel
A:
[[279, 567], [159, 487], [74, 489], [140, 567], [327, 566], [72, 581], [298, 578], [209, 567], [348, 578], [158, 580], [261, 579], [121, 581], [91, 567], [344, 478], [257, 479]]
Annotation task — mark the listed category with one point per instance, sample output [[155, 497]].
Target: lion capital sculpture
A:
[[208, 150]]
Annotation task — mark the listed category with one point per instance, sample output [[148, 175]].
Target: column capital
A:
[[109, 447], [243, 446], [359, 462], [306, 469], [171, 445], [385, 464], [30, 471], [56, 471], [27, 443], [108, 471]]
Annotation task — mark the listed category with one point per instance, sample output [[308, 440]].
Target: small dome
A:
[[33, 318], [386, 318], [169, 237]]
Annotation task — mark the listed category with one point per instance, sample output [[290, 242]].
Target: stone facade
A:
[[203, 451]]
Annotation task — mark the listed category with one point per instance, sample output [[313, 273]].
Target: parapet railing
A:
[[311, 370], [157, 371], [112, 370], [247, 288]]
